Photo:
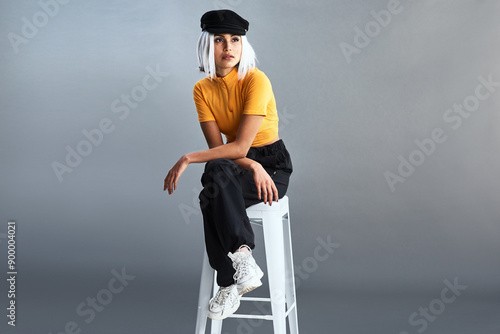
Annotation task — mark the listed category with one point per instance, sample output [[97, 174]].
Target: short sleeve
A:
[[259, 93], [204, 112]]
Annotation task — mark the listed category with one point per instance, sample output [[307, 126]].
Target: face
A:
[[227, 52]]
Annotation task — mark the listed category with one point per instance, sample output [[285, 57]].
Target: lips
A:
[[227, 57]]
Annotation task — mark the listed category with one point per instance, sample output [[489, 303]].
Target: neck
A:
[[222, 72]]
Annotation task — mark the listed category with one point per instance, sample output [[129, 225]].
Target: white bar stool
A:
[[275, 221]]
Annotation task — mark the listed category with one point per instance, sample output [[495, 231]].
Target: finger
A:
[[169, 183], [175, 182], [271, 194], [264, 194], [267, 194], [172, 184], [258, 192], [275, 190]]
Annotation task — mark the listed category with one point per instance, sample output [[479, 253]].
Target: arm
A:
[[213, 137], [235, 150], [217, 149], [265, 185]]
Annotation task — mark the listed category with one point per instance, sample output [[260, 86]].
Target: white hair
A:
[[206, 59]]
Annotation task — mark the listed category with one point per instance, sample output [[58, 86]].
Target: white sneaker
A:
[[248, 273], [225, 302]]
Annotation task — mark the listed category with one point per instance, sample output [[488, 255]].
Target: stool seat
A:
[[275, 222]]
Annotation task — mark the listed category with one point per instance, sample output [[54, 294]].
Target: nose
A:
[[227, 47]]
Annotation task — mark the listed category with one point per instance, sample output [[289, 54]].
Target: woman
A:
[[253, 166]]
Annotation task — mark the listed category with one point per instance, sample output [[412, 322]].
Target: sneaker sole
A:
[[251, 285]]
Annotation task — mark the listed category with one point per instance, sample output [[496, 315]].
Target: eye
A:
[[217, 39], [236, 39]]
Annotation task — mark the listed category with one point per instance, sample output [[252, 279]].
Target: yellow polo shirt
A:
[[226, 99]]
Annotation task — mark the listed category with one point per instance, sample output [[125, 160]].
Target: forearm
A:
[[233, 151], [246, 163]]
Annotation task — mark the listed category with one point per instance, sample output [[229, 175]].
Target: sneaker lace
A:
[[222, 295], [242, 268]]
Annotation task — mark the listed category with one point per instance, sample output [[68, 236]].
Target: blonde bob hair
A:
[[206, 60]]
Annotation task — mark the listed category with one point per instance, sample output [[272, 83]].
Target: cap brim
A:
[[227, 30]]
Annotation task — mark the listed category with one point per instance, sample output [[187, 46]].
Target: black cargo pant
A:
[[227, 191]]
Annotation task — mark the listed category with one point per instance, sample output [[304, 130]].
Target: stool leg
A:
[[205, 291], [216, 327], [291, 298], [275, 257]]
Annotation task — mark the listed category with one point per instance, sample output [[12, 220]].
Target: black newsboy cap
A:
[[224, 21]]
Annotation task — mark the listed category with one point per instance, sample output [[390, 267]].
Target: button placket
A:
[[227, 95]]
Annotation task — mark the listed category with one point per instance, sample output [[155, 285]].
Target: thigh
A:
[[249, 189], [281, 179]]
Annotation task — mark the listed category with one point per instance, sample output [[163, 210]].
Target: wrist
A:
[[254, 166], [186, 158]]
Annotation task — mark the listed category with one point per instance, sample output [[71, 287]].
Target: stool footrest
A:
[[251, 316], [258, 316], [255, 299]]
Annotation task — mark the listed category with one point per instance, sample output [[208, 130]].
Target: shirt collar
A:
[[230, 76]]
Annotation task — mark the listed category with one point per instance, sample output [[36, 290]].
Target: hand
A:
[[266, 189], [174, 174]]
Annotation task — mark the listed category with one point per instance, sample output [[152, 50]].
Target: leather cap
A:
[[224, 21]]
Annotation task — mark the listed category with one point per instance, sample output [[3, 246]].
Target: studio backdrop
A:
[[389, 109]]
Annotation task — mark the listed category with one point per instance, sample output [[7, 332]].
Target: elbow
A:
[[241, 151]]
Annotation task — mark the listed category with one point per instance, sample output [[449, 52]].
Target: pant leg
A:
[[249, 189], [228, 191], [226, 224]]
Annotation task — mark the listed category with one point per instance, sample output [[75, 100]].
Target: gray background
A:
[[345, 124]]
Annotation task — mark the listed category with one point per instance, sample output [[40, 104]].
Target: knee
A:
[[218, 171], [217, 165]]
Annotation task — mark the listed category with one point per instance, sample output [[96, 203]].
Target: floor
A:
[[153, 307]]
